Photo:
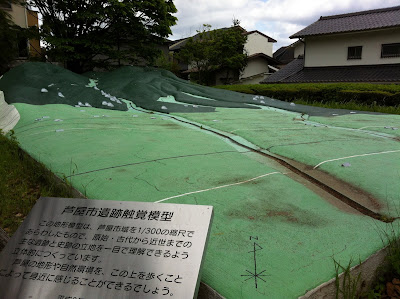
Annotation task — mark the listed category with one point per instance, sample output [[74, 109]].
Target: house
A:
[[355, 47], [260, 62], [24, 18], [287, 54], [284, 55]]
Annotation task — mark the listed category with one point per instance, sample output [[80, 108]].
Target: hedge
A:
[[363, 93]]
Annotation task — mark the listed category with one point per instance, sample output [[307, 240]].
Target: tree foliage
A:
[[168, 63], [87, 33], [212, 50], [8, 37]]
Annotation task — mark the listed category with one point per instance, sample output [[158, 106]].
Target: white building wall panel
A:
[[257, 43], [254, 67], [331, 50]]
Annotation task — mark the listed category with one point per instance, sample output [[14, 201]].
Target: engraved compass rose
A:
[[255, 275]]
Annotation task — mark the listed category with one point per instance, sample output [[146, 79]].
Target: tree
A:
[[167, 62], [212, 50], [198, 53], [88, 33], [8, 37], [230, 50]]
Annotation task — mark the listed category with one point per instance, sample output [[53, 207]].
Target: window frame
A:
[[354, 57], [390, 55]]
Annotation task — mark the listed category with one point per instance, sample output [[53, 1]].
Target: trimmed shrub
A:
[[238, 88], [364, 97], [394, 100], [363, 93]]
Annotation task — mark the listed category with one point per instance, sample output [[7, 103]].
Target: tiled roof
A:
[[279, 52], [358, 21], [270, 39], [284, 54], [288, 70], [178, 44], [270, 59], [363, 73]]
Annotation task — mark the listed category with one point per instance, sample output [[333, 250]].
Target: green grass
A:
[[23, 181], [354, 96], [346, 287], [352, 106], [390, 269]]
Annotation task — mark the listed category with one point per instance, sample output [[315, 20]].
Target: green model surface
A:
[[262, 210], [373, 153], [143, 157]]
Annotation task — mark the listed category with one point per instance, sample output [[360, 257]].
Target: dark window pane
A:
[[390, 50], [354, 52], [23, 47]]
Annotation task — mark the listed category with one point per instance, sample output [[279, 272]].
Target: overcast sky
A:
[[276, 18]]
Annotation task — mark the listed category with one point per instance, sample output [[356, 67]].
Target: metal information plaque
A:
[[90, 249]]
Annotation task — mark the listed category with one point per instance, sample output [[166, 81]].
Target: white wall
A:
[[298, 49], [331, 50], [254, 67], [257, 43], [18, 15]]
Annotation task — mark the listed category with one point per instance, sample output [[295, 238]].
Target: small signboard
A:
[[90, 249]]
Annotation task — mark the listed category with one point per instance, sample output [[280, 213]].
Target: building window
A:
[[390, 50], [354, 52], [22, 47]]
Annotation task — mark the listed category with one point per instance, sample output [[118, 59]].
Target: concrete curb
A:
[[207, 292], [367, 271]]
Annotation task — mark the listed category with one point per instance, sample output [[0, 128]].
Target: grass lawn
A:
[[23, 181]]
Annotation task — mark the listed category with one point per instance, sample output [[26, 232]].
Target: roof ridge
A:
[[365, 12], [259, 32]]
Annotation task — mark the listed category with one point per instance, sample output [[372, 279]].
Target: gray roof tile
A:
[[359, 21], [362, 73], [288, 70]]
